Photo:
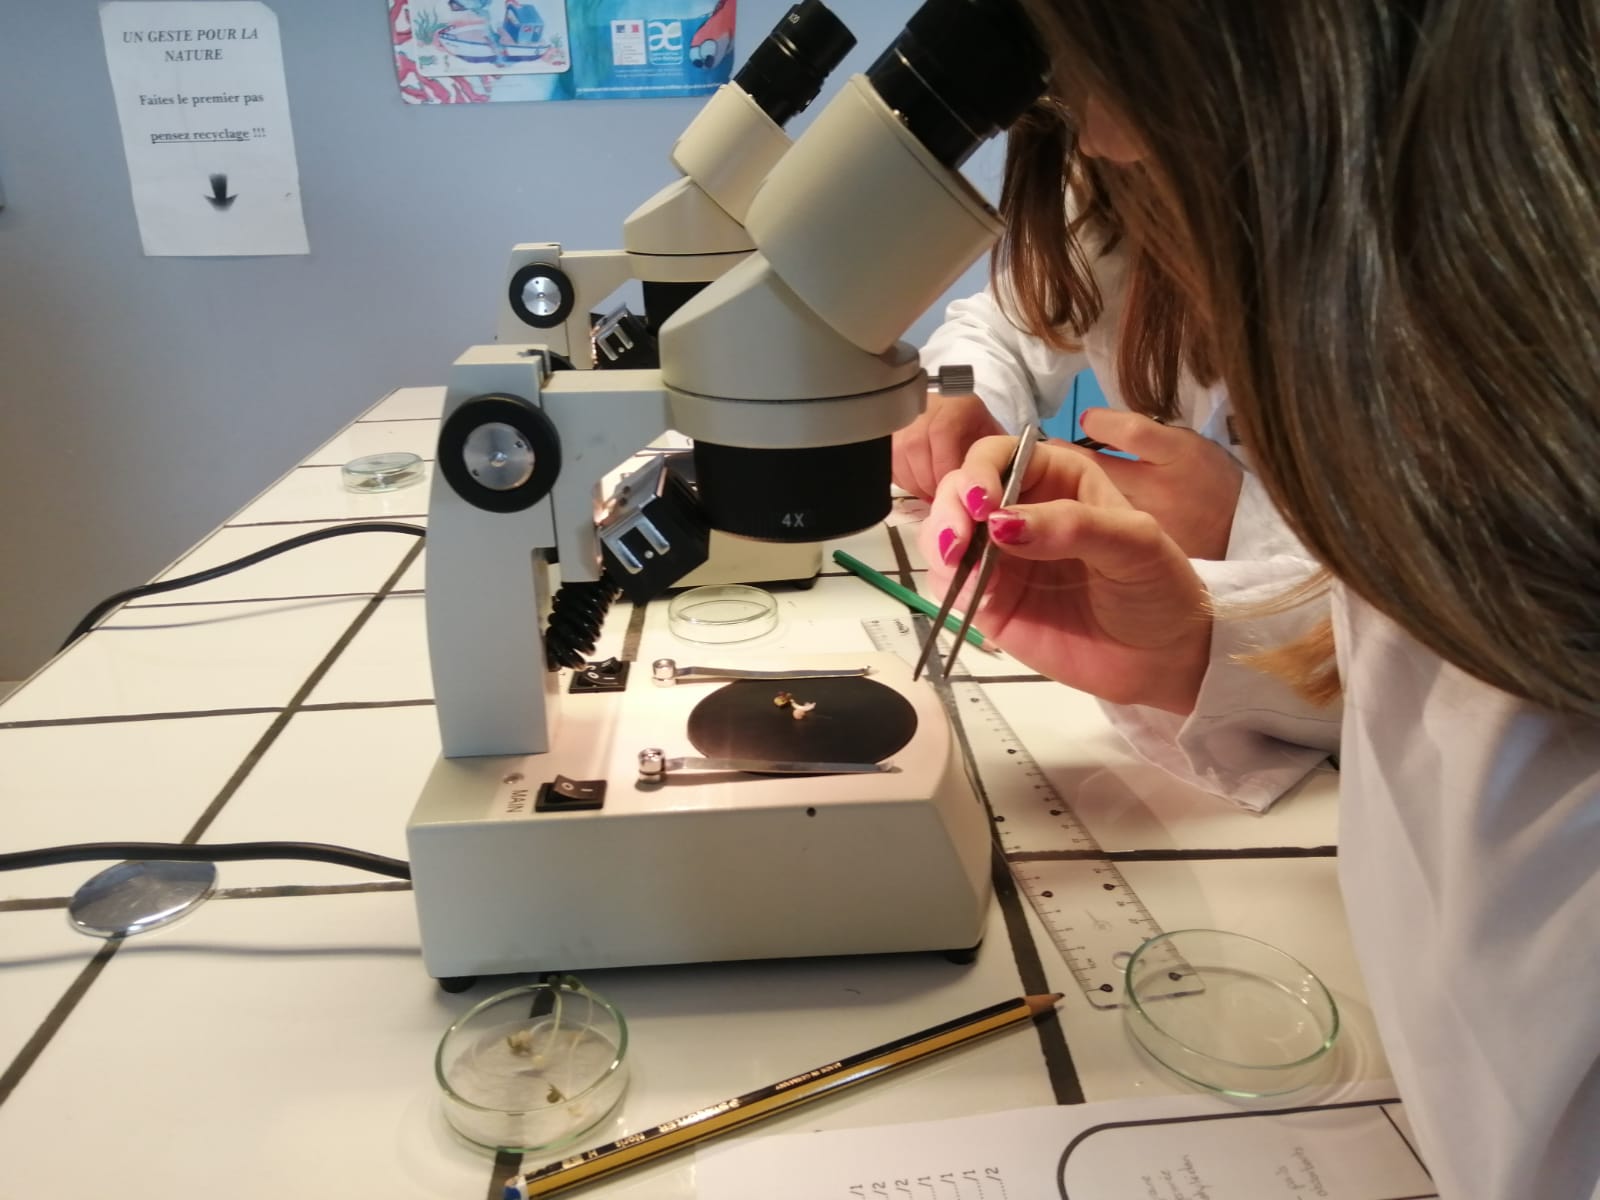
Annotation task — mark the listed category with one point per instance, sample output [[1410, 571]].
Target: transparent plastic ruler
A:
[[1094, 918]]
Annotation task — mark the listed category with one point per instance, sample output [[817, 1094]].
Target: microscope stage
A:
[[708, 865]]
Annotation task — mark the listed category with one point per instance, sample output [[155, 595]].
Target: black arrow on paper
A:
[[219, 197]]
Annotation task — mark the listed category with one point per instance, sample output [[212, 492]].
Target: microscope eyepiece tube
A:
[[786, 71], [960, 72], [737, 137], [788, 371]]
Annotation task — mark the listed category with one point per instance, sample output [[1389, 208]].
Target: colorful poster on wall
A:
[[475, 51]]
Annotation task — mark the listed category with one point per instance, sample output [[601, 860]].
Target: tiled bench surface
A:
[[279, 1041]]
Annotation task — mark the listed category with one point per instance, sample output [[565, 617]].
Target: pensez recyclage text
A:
[[212, 135]]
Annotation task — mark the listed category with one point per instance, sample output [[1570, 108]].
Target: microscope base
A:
[[703, 867]]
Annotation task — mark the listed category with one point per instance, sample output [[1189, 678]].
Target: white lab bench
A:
[[279, 1041]]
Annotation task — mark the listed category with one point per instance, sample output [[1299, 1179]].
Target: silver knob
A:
[[541, 295], [652, 766], [498, 456], [957, 379]]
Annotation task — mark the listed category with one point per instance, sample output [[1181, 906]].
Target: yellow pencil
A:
[[716, 1119]]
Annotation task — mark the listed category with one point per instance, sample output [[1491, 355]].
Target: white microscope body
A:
[[687, 235], [856, 230]]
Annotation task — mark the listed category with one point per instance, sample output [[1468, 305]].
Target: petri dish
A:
[[381, 472], [533, 1068], [1229, 1012], [722, 613]]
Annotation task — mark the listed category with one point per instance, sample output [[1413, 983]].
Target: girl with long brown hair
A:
[[1101, 304], [1378, 225]]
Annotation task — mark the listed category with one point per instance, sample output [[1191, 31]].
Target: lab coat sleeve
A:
[[1019, 378], [1469, 833], [1251, 737]]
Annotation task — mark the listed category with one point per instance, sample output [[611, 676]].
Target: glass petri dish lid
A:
[[385, 472], [1229, 1012], [722, 613]]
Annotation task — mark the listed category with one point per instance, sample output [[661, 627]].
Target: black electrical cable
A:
[[341, 856], [249, 560]]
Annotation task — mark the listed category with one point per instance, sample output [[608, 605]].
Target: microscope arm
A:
[[507, 491], [691, 231], [549, 294], [604, 418]]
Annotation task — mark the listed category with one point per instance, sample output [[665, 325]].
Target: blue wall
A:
[[1085, 394]]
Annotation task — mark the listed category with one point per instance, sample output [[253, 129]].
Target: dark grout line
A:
[[45, 903], [75, 992], [264, 743], [356, 705], [634, 633], [130, 718], [311, 889], [1173, 855], [1053, 1047], [133, 718], [29, 1054], [902, 560], [34, 904]]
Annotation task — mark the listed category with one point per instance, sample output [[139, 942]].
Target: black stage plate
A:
[[856, 720]]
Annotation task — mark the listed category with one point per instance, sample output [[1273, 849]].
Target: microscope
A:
[[562, 829], [688, 234]]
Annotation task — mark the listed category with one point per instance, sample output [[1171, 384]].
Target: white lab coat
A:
[[1470, 823], [1469, 861]]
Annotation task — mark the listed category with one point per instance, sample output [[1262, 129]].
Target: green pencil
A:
[[906, 596]]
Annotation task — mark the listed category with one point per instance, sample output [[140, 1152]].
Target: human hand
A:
[[1086, 589], [933, 445], [1188, 483]]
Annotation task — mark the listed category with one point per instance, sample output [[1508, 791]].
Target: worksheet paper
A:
[[1174, 1148], [205, 125]]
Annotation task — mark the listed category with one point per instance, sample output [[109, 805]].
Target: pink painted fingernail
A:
[[1008, 528], [947, 543], [977, 502]]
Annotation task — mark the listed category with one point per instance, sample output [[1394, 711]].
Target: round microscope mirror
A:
[[136, 897]]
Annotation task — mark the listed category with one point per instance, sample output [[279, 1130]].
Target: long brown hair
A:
[[1048, 188], [1385, 217]]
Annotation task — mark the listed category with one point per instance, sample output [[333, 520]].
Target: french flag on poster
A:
[[628, 43]]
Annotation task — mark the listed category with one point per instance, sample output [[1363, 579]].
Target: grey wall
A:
[[143, 400]]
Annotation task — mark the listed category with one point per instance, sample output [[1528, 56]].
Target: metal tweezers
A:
[[979, 553]]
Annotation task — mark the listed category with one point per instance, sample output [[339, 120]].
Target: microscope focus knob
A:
[[541, 295], [957, 379], [500, 453]]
